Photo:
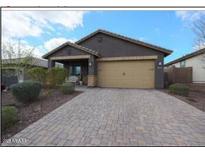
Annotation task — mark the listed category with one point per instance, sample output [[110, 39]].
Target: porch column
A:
[[84, 73], [67, 67], [51, 63], [92, 71]]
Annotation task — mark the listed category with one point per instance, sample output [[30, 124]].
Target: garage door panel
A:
[[126, 74]]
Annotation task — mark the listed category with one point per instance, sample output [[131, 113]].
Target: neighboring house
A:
[[196, 60], [11, 73], [106, 59]]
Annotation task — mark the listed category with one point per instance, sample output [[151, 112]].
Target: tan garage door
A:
[[126, 74]]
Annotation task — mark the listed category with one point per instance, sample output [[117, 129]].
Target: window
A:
[[182, 64], [76, 70]]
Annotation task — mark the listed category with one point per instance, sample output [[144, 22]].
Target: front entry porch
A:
[[81, 67]]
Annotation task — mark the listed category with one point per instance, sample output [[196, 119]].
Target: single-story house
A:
[[107, 59], [14, 71], [196, 60]]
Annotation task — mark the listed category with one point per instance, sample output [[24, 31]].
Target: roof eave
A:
[[72, 45], [196, 53], [52, 51]]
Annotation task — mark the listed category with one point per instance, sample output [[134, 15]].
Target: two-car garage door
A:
[[126, 74]]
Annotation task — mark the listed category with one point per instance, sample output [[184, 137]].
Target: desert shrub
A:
[[67, 88], [27, 91], [9, 116], [37, 74], [179, 89], [56, 76]]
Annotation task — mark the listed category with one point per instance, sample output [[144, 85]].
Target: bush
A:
[[27, 91], [37, 74], [179, 89], [67, 88], [9, 116], [56, 76]]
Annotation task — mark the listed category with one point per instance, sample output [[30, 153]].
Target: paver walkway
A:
[[118, 117]]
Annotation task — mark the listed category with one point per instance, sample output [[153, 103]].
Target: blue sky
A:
[[46, 29]]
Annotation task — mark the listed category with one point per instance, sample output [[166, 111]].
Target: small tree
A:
[[16, 55], [37, 74], [56, 76], [199, 30]]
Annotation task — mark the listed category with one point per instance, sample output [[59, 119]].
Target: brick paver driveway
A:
[[118, 117]]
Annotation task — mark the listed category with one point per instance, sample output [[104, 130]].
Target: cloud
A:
[[190, 15], [34, 23], [21, 24], [17, 24], [55, 42], [193, 19], [26, 47], [17, 49], [39, 51]]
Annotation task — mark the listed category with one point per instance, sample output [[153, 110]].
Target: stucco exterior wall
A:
[[109, 46], [68, 51], [198, 66]]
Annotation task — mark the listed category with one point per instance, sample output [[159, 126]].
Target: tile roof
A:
[[138, 42], [196, 53], [72, 45]]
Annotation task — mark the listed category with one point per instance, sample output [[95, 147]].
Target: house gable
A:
[[70, 49], [110, 45], [188, 56]]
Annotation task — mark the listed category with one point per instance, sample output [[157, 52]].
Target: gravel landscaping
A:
[[196, 96], [49, 100]]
